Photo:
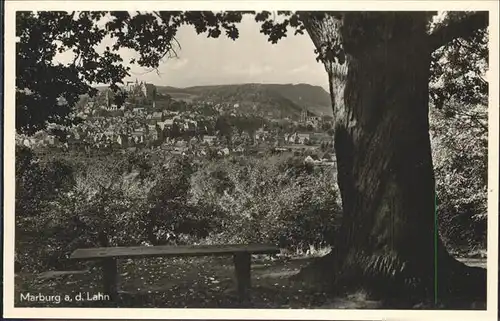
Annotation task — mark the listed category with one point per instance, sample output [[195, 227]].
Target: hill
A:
[[276, 100], [281, 99]]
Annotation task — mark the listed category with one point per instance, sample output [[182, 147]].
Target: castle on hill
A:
[[142, 88], [135, 89]]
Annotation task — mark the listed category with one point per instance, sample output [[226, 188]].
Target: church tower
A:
[[108, 102], [303, 116]]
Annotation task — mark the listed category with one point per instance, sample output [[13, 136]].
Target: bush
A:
[[39, 185], [142, 198], [147, 197], [170, 215], [256, 201], [460, 159], [60, 208]]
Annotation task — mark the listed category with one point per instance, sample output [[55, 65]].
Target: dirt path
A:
[[194, 283]]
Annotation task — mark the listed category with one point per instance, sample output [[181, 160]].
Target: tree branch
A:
[[457, 26]]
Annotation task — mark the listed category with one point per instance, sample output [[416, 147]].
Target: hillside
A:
[[282, 99], [276, 100]]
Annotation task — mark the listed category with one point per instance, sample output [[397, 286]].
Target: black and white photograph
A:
[[245, 160]]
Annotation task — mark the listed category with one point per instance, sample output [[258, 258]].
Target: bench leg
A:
[[110, 278], [242, 269]]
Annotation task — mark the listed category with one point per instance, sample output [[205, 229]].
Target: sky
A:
[[249, 59]]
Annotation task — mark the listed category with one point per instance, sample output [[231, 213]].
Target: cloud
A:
[[252, 69], [251, 58], [300, 69], [177, 63]]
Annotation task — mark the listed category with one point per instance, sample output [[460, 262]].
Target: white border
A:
[[319, 314]]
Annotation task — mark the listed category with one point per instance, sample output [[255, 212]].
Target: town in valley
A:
[[202, 124]]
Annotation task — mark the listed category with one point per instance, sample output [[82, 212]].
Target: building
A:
[[157, 116], [52, 140], [109, 134], [149, 91], [121, 140], [161, 125], [210, 140], [142, 89], [167, 123], [137, 135], [307, 116], [152, 127], [303, 138], [190, 125], [299, 138], [180, 144]]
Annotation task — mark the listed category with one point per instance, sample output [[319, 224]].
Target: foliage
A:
[[37, 185], [41, 83], [457, 73], [37, 182], [100, 205], [261, 203], [169, 213], [459, 128], [460, 153], [144, 197], [233, 200]]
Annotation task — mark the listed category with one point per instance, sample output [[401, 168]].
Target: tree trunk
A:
[[387, 243]]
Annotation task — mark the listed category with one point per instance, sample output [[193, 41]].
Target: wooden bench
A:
[[241, 257]]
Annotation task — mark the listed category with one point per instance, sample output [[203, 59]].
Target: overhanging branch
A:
[[458, 26]]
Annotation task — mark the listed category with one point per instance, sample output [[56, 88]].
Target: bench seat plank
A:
[[191, 250]]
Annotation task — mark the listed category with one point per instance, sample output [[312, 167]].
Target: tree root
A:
[[320, 273], [396, 282]]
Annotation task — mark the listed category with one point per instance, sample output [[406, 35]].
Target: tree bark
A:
[[379, 90]]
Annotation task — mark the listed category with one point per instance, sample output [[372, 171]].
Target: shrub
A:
[[257, 201], [38, 185], [460, 159], [169, 213], [61, 209]]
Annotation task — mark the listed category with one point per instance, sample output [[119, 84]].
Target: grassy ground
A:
[[192, 282]]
